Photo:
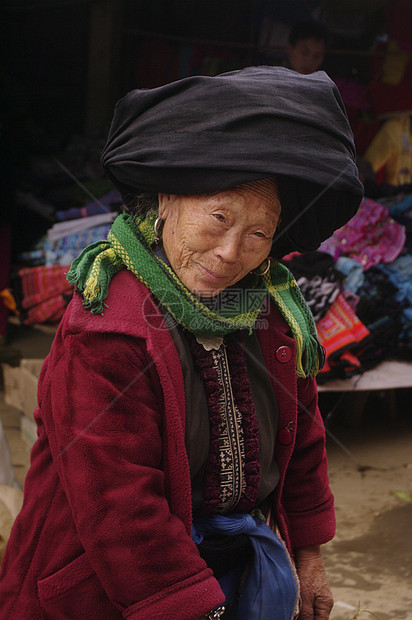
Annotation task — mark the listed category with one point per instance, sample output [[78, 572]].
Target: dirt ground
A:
[[369, 562]]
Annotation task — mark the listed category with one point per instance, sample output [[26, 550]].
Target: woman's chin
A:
[[202, 288], [207, 292]]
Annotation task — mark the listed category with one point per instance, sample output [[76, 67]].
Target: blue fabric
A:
[[353, 271], [270, 589], [63, 251], [400, 207], [400, 274]]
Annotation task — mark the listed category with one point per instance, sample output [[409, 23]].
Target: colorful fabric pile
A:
[[38, 281], [366, 270]]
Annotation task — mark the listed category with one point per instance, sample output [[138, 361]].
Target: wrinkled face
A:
[[306, 56], [213, 240]]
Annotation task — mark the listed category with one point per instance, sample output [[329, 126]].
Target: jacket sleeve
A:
[[307, 498], [105, 431]]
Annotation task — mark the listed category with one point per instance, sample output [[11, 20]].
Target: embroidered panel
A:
[[232, 473], [231, 438]]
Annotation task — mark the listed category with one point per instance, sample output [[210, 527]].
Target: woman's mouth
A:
[[215, 277]]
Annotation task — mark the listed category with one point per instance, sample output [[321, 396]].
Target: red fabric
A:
[[105, 529], [354, 94], [364, 132], [42, 290], [340, 331]]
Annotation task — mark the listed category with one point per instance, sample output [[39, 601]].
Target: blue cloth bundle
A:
[[270, 589]]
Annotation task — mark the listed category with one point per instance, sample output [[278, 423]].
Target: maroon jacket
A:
[[105, 529]]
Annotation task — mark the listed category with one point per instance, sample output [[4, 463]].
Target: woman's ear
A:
[[164, 205]]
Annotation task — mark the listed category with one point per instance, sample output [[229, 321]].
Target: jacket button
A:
[[283, 354], [284, 436]]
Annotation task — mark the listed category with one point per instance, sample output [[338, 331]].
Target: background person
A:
[[306, 47]]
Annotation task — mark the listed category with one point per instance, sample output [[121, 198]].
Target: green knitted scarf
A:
[[129, 245]]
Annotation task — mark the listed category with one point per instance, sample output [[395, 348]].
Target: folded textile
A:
[[353, 273], [380, 296], [401, 206], [382, 313], [44, 293], [49, 311], [64, 250], [70, 227], [371, 237], [317, 278], [340, 331], [400, 275], [382, 343]]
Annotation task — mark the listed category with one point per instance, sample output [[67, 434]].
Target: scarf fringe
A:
[[310, 356], [91, 273]]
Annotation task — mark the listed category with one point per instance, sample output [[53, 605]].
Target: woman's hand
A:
[[316, 597]]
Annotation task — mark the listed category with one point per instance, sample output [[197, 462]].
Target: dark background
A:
[[47, 48], [65, 63]]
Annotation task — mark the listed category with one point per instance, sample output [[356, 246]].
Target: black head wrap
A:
[[206, 134]]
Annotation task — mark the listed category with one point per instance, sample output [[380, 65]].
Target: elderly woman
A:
[[180, 468]]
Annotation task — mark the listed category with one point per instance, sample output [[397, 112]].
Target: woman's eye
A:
[[261, 235], [219, 217]]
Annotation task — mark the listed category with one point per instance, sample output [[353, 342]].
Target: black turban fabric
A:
[[206, 134]]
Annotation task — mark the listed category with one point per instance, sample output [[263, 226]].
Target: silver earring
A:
[[262, 270], [157, 229]]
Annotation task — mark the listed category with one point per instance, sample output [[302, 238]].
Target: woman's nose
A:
[[229, 248]]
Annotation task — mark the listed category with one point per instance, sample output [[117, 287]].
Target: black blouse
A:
[[235, 412]]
